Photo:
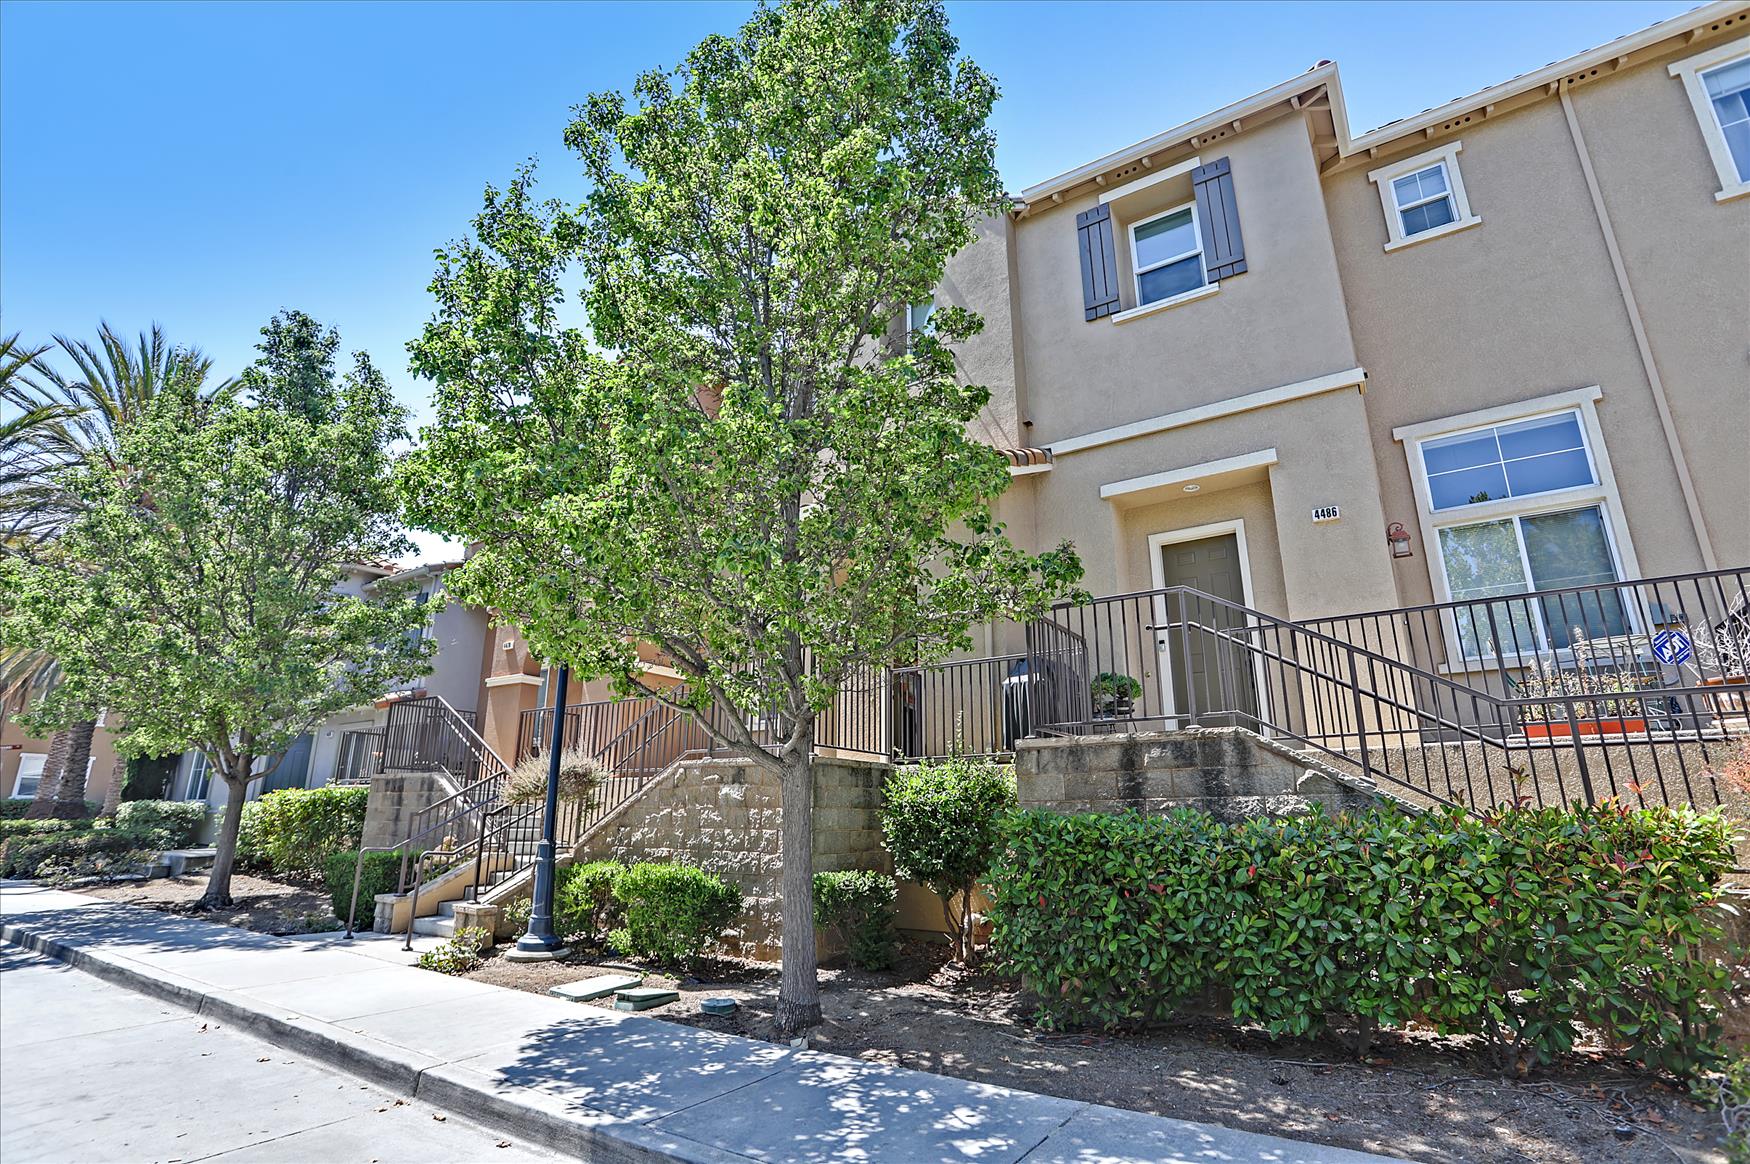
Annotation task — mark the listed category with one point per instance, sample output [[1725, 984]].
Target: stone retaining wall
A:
[[394, 798], [723, 815], [1229, 773]]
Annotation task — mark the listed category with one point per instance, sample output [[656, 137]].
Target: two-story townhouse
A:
[[1496, 347]]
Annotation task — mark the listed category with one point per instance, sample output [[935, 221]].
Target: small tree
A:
[[194, 591], [943, 825], [750, 482]]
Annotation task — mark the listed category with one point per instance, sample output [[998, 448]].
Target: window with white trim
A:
[[1728, 94], [1717, 83], [1166, 255], [30, 774], [917, 319], [200, 777], [1540, 455], [1423, 196]]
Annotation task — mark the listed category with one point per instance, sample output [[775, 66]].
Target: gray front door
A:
[[1219, 685]]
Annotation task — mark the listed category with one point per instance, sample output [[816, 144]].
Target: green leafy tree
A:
[[943, 824], [745, 476], [195, 590]]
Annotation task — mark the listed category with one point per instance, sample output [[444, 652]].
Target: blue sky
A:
[[204, 165]]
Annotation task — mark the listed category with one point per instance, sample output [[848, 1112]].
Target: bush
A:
[[14, 809], [67, 854], [1519, 926], [515, 918], [579, 776], [943, 825], [672, 911], [857, 905], [296, 830], [162, 824], [31, 828], [381, 873], [458, 955], [583, 900]]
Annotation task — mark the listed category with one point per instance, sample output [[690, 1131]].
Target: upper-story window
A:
[[1718, 85], [917, 319], [1166, 251], [1541, 455], [1423, 197]]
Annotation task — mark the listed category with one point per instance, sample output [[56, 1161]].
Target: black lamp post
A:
[[541, 943]]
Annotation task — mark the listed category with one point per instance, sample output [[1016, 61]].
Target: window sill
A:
[[1202, 292], [1398, 244], [1731, 192]]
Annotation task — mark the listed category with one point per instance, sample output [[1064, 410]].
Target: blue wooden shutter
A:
[[1099, 262], [1224, 251]]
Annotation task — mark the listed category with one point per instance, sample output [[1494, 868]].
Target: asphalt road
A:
[[95, 1074]]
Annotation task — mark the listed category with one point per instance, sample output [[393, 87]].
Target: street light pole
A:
[[540, 943]]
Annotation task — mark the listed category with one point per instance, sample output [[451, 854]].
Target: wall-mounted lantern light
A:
[[1399, 540]]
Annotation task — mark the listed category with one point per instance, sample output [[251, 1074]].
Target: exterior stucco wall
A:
[[978, 279], [1527, 304], [1280, 323], [1688, 262]]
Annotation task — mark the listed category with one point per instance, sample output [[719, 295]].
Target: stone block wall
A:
[[1229, 773], [723, 815], [394, 798]]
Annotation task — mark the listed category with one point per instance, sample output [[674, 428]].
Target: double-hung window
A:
[[1728, 94], [1718, 85], [1423, 199], [30, 775], [917, 319], [1518, 507], [200, 777], [1167, 251]]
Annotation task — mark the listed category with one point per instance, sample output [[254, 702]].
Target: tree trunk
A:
[[219, 883], [42, 804], [70, 795], [118, 775], [799, 983]]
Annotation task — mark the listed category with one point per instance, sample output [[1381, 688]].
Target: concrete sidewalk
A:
[[592, 1083]]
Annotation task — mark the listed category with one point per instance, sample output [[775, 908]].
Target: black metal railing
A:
[[967, 707], [1176, 657], [360, 756]]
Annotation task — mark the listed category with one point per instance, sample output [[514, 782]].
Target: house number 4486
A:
[[1325, 513]]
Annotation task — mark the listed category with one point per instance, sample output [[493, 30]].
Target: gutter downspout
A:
[[1690, 501]]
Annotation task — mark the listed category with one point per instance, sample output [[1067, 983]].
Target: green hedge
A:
[[1519, 927], [15, 808], [296, 830], [858, 906], [72, 853], [162, 824], [31, 828], [584, 904], [673, 911], [381, 873]]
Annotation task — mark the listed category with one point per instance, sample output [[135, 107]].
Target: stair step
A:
[[446, 909], [435, 927]]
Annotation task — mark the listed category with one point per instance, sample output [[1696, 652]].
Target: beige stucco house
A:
[[1512, 328]]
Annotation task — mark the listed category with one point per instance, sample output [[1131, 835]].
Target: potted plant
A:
[[1611, 705], [1114, 694]]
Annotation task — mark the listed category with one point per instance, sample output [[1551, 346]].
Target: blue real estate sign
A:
[[1672, 648]]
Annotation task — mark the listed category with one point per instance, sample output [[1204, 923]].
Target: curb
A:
[[550, 1122]]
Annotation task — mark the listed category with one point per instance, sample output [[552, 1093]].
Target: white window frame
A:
[[1586, 447], [198, 765], [1603, 494], [1137, 271], [912, 330], [18, 774], [1446, 157], [1690, 71]]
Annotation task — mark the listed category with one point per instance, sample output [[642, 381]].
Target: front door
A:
[[1219, 684]]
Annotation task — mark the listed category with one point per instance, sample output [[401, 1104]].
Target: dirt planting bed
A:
[[1422, 1096], [265, 905]]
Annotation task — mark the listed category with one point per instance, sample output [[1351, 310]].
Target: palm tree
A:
[[34, 442], [111, 384]]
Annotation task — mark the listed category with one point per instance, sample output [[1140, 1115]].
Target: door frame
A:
[[1157, 570]]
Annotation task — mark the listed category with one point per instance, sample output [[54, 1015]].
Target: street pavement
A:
[[92, 1073]]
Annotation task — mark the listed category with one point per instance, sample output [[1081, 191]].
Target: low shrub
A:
[[672, 911], [14, 809], [31, 828], [1519, 926], [381, 873], [296, 830], [584, 904], [67, 854], [162, 824], [943, 825], [857, 905], [579, 776], [458, 955], [515, 918]]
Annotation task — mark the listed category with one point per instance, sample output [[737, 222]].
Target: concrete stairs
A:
[[441, 924]]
